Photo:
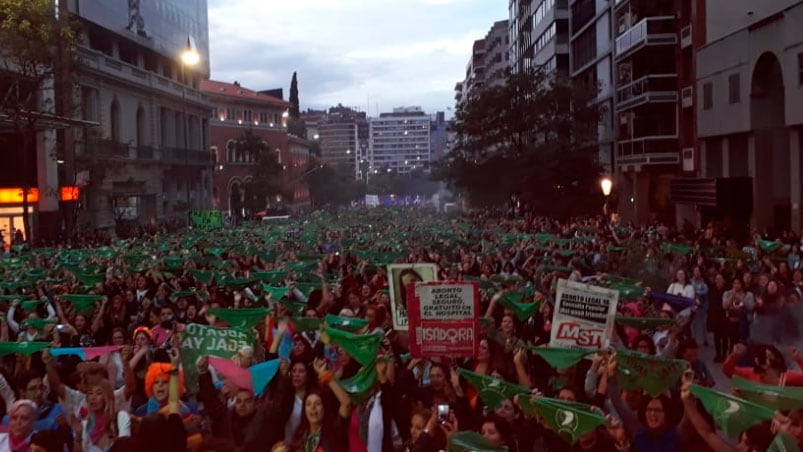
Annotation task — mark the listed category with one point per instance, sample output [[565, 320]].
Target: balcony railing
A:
[[650, 30], [98, 61], [650, 88], [106, 148], [655, 150]]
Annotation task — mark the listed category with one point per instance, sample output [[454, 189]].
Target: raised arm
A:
[[702, 427], [326, 378]]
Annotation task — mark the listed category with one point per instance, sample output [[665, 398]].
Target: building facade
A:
[[148, 160], [551, 35], [749, 105], [497, 54], [520, 29], [236, 111], [399, 141], [591, 65]]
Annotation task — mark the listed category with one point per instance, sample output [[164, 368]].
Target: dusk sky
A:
[[393, 52]]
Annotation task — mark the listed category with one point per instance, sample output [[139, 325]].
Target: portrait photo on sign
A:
[[399, 276]]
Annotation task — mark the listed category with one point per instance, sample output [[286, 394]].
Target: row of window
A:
[[542, 10], [231, 114], [545, 37], [734, 87]]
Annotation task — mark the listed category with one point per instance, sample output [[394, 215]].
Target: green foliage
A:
[[531, 136], [266, 179]]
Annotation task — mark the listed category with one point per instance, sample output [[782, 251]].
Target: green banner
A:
[[199, 340], [206, 219]]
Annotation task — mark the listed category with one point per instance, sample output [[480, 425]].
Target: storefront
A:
[[12, 225]]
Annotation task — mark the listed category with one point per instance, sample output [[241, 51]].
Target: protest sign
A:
[[199, 340], [584, 316], [206, 219], [399, 276], [371, 200], [444, 319]]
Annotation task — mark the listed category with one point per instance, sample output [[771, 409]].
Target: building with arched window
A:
[[748, 98], [237, 110], [149, 158]]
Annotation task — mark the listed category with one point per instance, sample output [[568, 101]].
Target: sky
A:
[[368, 54]]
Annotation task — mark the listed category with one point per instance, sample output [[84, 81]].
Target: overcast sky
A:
[[387, 52]]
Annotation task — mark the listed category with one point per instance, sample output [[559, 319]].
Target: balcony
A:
[[660, 88], [653, 150], [102, 148], [99, 62], [648, 31]]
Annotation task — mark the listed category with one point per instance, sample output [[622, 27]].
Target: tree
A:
[[265, 181], [37, 57], [328, 186], [295, 126], [533, 137]]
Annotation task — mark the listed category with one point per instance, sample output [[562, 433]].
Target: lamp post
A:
[[189, 57], [606, 184]]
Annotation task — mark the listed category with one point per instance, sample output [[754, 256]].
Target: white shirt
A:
[[295, 418]]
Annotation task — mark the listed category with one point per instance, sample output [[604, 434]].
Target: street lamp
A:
[[189, 57], [606, 184]]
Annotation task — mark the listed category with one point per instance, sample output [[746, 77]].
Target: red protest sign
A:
[[444, 318]]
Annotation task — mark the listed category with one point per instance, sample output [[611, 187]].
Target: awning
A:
[[45, 121]]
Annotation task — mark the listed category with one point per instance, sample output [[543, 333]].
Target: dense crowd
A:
[[99, 354]]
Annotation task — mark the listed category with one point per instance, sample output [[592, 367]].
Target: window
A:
[[800, 68], [734, 95], [230, 114], [115, 121], [708, 96]]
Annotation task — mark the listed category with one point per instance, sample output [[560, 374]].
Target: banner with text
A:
[[199, 340], [584, 316], [206, 219], [444, 318], [399, 277]]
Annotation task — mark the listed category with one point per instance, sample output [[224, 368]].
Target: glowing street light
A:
[[606, 184]]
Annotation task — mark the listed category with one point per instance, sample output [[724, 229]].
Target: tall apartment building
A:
[[550, 35], [748, 99], [474, 82], [342, 136], [653, 65], [236, 110], [149, 157], [399, 141], [497, 54], [591, 64], [520, 29]]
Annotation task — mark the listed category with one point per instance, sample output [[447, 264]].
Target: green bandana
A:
[[22, 348], [653, 374], [492, 391], [776, 397], [570, 420], [470, 441], [732, 414], [362, 348], [560, 358], [243, 319]]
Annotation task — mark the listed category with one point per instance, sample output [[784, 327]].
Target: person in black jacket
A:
[[239, 423]]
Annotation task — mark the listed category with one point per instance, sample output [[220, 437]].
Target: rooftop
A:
[[234, 90]]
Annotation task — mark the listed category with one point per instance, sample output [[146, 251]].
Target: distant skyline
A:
[[361, 53]]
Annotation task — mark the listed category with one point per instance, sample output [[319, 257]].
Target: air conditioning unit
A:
[[688, 159], [685, 37], [687, 97]]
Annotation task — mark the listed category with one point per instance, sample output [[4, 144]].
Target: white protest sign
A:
[[584, 316]]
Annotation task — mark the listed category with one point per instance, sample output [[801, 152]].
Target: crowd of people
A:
[[94, 340]]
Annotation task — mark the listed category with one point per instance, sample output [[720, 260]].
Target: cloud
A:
[[392, 52]]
